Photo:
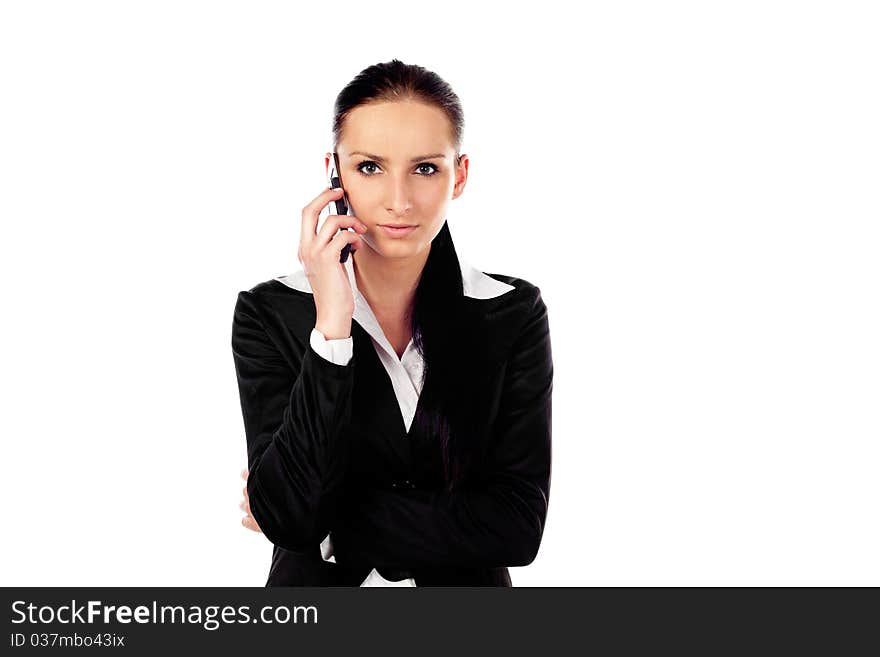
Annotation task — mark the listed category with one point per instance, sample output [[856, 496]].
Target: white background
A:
[[693, 186]]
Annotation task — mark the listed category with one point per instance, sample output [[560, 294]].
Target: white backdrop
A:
[[693, 186]]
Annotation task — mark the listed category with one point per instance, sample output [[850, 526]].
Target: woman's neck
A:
[[388, 284]]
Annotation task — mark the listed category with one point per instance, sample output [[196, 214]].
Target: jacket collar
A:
[[476, 284]]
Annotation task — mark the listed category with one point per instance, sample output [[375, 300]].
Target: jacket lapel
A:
[[375, 394], [493, 327]]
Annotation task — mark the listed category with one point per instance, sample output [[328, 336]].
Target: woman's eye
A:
[[365, 164], [362, 168]]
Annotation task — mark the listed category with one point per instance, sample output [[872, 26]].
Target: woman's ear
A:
[[461, 172], [327, 157]]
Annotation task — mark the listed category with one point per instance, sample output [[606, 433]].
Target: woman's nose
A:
[[399, 198]]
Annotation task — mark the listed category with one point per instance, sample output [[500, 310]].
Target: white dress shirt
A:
[[405, 372]]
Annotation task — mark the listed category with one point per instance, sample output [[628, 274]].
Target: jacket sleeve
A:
[[293, 414], [339, 351], [497, 523]]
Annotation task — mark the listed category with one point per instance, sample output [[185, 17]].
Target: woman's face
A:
[[398, 166]]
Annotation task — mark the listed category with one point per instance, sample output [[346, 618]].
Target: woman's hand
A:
[[248, 520], [319, 253]]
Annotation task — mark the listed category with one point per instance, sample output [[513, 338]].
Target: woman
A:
[[414, 442]]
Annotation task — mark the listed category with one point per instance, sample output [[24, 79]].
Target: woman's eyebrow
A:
[[378, 158]]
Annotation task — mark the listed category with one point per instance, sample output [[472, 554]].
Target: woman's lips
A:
[[397, 232]]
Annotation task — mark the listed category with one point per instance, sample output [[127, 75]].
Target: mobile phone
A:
[[341, 205]]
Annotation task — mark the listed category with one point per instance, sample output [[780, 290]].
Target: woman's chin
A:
[[395, 248]]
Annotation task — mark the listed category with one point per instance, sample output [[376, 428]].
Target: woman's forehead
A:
[[402, 129]]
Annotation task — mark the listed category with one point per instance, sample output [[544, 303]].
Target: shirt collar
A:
[[475, 283]]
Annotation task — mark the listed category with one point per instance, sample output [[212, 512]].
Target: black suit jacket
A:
[[328, 450]]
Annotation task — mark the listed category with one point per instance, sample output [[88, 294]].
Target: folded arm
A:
[[496, 522]]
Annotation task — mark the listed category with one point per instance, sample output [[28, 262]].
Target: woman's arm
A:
[[292, 417], [498, 523]]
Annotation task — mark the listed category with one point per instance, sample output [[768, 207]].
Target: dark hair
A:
[[439, 328]]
